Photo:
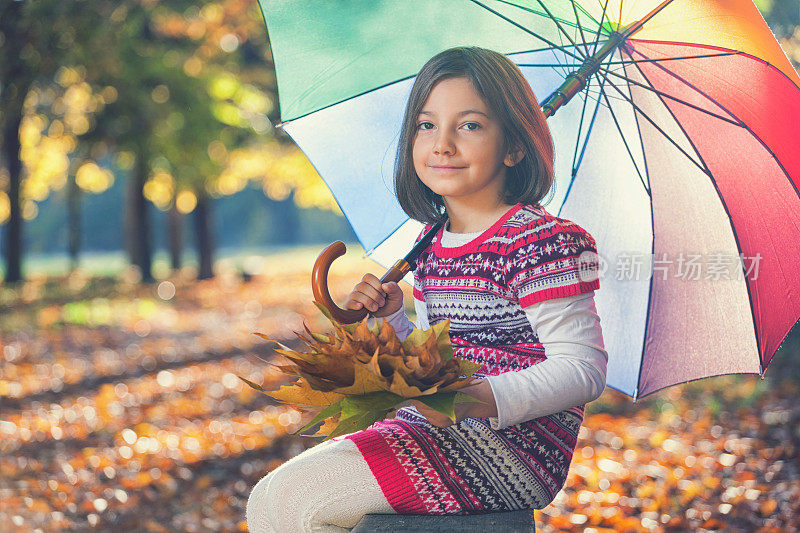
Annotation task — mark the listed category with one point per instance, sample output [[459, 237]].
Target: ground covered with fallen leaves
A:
[[120, 410]]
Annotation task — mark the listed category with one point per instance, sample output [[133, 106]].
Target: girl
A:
[[474, 151]]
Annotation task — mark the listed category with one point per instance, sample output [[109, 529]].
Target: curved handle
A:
[[319, 282]]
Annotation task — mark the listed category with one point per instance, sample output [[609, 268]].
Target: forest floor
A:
[[117, 397]]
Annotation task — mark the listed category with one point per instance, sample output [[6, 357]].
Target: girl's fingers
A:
[[371, 292], [358, 300], [374, 296], [357, 297], [351, 303], [432, 415], [371, 279], [392, 288]]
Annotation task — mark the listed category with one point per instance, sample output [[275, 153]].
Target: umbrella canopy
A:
[[679, 156]]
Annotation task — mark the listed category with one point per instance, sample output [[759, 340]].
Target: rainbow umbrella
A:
[[676, 138]]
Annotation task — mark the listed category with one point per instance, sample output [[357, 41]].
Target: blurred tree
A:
[[175, 90], [55, 113], [181, 109], [224, 114], [84, 176], [234, 58], [35, 39], [132, 66]]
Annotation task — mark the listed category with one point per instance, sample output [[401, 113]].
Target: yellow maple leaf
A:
[[359, 373]]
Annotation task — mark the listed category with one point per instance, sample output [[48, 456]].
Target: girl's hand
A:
[[434, 417], [381, 299], [480, 389]]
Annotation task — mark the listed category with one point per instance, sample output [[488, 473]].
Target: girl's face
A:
[[458, 145]]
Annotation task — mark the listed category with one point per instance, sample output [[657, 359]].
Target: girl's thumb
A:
[[392, 288]]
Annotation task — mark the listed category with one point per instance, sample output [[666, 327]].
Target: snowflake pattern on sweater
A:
[[527, 256]]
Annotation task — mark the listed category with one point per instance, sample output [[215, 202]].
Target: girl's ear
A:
[[512, 158]]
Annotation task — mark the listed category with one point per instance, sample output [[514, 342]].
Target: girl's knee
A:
[[272, 505], [301, 494], [260, 506]]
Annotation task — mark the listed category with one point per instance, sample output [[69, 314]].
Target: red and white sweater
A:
[[485, 287], [568, 328]]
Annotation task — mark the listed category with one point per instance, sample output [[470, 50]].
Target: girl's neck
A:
[[466, 218]]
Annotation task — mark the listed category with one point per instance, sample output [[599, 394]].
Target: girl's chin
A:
[[446, 191]]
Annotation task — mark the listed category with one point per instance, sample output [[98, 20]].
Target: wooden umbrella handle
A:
[[319, 282]]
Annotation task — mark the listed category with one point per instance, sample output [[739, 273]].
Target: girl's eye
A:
[[477, 126]]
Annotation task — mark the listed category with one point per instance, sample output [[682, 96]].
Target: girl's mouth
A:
[[447, 169]]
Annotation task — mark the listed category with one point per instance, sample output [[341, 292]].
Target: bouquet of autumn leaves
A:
[[358, 374]]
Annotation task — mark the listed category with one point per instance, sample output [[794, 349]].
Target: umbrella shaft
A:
[[397, 272], [576, 81]]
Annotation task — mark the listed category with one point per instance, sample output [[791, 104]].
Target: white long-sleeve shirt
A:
[[574, 372]]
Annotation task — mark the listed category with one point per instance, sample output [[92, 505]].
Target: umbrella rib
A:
[[727, 212], [588, 133], [550, 65], [580, 28], [574, 167], [644, 156], [574, 171], [697, 90], [625, 142], [559, 26], [652, 254], [647, 17], [620, 65], [589, 15], [563, 71], [600, 26], [351, 97], [676, 99], [526, 30], [740, 122], [623, 63], [630, 100], [529, 10], [596, 97]]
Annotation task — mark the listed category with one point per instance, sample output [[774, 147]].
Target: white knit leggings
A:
[[327, 488]]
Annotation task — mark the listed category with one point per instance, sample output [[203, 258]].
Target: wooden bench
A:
[[504, 522]]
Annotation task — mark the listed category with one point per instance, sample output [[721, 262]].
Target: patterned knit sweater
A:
[[527, 256]]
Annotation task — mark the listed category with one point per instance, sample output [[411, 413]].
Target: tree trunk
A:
[[73, 221], [175, 236], [137, 227], [16, 80], [286, 220], [13, 235], [205, 245]]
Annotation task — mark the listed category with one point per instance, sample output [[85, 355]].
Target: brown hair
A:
[[506, 92]]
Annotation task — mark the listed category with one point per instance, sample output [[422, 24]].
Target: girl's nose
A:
[[443, 144]]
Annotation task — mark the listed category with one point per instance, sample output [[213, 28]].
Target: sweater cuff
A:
[[501, 420], [398, 320]]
